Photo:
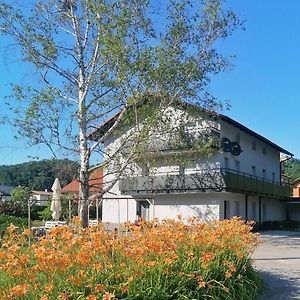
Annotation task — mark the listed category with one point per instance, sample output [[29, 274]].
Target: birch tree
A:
[[94, 58]]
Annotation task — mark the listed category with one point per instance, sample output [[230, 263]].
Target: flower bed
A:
[[166, 260]]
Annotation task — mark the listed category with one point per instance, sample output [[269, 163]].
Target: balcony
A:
[[248, 184], [213, 180]]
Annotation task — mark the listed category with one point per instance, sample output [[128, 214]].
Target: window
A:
[[264, 150], [238, 138], [273, 177], [226, 162], [237, 165], [237, 208], [253, 170], [264, 173], [264, 212], [254, 145], [254, 211]]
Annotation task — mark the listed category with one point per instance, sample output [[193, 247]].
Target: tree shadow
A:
[[279, 286]]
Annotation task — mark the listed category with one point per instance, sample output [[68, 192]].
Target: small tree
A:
[[21, 194], [94, 58]]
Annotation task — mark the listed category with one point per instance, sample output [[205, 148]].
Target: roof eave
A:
[[253, 133]]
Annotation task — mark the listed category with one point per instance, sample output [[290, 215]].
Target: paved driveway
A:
[[278, 260]]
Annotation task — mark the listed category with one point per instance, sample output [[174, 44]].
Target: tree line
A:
[[39, 175]]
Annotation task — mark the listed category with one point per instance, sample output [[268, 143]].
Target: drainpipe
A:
[[259, 213], [246, 208]]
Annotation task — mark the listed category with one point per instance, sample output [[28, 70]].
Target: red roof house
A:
[[95, 183]]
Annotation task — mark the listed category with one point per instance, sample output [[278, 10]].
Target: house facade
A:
[[71, 191], [242, 178], [41, 198]]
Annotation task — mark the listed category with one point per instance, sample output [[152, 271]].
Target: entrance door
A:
[[143, 210]]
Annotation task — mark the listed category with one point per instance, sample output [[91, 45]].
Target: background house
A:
[[71, 190], [41, 198], [243, 179], [5, 192]]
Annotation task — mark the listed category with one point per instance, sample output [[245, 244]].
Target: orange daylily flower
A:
[[99, 288], [11, 228], [19, 290], [108, 296]]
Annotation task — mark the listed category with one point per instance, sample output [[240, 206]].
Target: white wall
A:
[[118, 210], [208, 206], [205, 206], [249, 157], [274, 210]]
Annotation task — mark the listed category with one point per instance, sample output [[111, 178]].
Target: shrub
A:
[[167, 260], [6, 221], [19, 209]]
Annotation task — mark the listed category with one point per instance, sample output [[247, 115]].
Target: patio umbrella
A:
[[56, 204]]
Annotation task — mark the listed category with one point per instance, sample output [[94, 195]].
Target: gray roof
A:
[[6, 190]]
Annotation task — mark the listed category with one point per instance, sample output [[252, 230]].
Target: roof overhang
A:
[[254, 134], [103, 128]]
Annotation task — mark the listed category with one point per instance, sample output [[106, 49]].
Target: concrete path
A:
[[278, 260]]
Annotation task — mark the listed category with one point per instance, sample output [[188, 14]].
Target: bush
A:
[[20, 209], [16, 209], [167, 260], [6, 221]]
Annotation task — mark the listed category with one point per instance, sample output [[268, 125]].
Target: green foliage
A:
[[20, 194], [96, 57], [18, 206], [92, 56], [291, 168], [16, 209], [46, 213], [20, 210], [39, 175], [168, 260], [6, 221]]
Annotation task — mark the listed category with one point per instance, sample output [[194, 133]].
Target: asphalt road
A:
[[278, 261]]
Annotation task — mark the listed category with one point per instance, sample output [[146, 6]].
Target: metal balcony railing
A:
[[246, 183], [209, 180]]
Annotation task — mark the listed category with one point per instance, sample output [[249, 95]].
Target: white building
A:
[[243, 179], [41, 198]]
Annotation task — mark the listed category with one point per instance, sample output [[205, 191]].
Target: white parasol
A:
[[56, 204]]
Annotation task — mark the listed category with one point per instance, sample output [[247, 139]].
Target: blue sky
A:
[[262, 87]]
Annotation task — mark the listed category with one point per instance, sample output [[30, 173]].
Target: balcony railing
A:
[[212, 180], [246, 183]]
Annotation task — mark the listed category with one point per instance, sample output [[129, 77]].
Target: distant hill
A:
[[291, 168], [39, 175]]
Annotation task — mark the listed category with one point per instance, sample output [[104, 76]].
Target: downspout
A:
[[259, 214], [246, 208]]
